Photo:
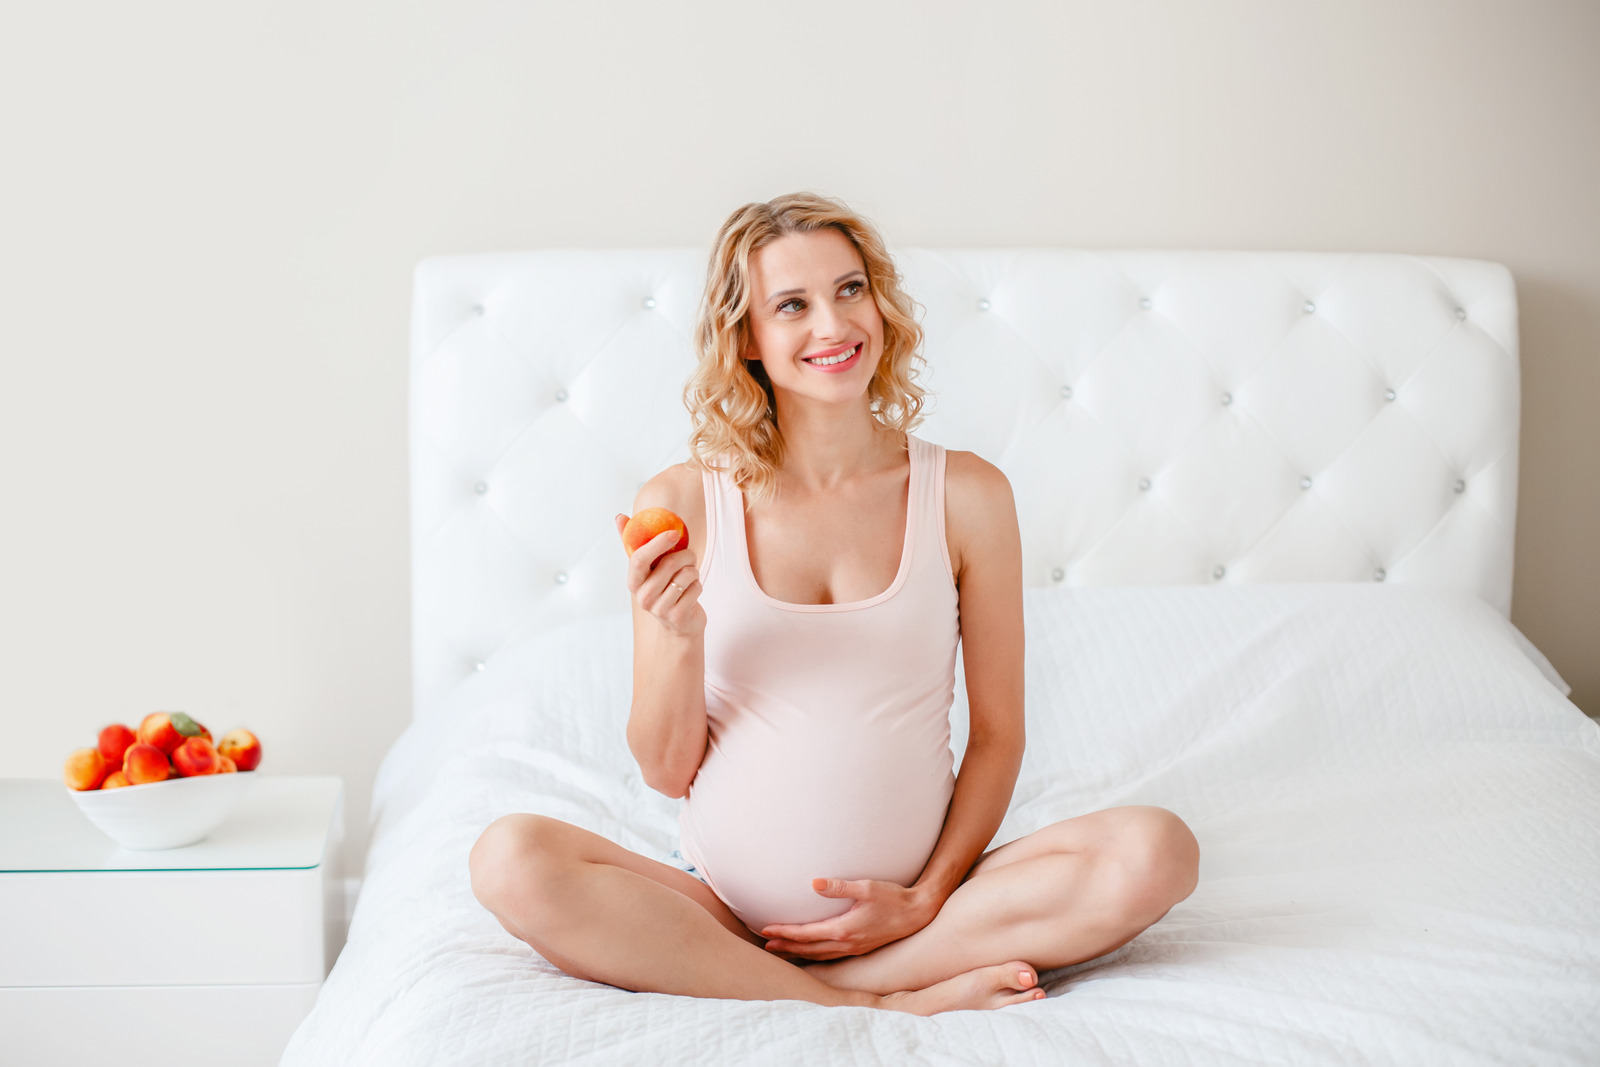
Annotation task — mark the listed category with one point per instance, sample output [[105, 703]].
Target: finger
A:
[[622, 523], [825, 950], [641, 565], [669, 583], [675, 561], [657, 546], [675, 594], [809, 933], [792, 958], [859, 889]]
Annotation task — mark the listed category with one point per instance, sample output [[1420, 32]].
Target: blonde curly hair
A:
[[731, 407]]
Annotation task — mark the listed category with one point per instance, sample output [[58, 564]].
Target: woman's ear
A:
[[747, 347]]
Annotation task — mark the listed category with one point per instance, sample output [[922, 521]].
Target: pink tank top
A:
[[829, 753]]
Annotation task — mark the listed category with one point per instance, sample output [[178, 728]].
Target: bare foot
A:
[[977, 989]]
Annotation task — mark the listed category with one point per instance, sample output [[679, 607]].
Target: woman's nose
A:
[[829, 323]]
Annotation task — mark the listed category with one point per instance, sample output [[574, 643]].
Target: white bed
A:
[[1267, 503]]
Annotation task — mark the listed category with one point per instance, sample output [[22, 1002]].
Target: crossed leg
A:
[[1069, 892], [601, 912]]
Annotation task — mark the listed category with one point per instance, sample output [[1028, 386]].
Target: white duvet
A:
[[1398, 814]]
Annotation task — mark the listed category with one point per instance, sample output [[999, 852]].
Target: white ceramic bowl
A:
[[169, 814]]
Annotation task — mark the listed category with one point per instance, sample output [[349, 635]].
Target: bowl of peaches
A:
[[166, 784]]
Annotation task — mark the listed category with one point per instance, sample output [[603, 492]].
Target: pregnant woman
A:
[[793, 679]]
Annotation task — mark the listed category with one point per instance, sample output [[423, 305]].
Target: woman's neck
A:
[[824, 450]]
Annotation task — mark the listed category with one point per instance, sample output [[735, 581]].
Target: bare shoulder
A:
[[979, 508], [678, 488]]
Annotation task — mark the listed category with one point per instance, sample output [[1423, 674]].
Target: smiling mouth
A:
[[828, 361]]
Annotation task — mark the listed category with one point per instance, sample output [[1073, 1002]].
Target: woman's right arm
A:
[[667, 725]]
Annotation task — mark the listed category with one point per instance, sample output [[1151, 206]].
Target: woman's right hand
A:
[[666, 584]]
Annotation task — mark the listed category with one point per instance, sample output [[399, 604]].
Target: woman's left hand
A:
[[882, 912]]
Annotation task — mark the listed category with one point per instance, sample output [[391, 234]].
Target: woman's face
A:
[[810, 302]]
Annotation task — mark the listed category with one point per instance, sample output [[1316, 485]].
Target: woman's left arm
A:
[[981, 518], [981, 530]]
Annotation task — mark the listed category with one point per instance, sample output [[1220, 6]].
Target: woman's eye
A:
[[786, 303], [851, 288]]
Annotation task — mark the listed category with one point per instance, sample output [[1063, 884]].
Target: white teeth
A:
[[831, 360]]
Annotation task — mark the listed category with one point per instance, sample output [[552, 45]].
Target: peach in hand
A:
[[144, 764], [85, 769], [114, 741], [194, 757], [651, 523], [242, 748]]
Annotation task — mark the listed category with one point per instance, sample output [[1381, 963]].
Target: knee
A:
[[1159, 860], [512, 857]]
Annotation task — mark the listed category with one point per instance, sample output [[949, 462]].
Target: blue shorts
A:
[[678, 860]]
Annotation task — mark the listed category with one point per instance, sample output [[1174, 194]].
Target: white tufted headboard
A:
[[1163, 417]]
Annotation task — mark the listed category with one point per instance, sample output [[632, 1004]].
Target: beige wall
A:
[[212, 212]]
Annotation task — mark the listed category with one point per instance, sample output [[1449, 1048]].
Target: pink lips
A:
[[837, 367], [830, 352]]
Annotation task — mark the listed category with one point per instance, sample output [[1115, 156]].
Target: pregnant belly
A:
[[761, 830]]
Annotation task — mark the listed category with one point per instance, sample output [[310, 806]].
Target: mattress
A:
[[1395, 803]]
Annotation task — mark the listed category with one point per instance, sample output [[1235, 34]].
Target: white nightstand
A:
[[210, 954]]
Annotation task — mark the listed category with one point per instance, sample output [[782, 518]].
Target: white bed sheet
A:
[[1396, 807]]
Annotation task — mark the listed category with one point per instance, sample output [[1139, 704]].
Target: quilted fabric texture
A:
[[1395, 812], [1164, 417]]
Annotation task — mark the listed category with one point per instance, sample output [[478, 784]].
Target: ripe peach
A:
[[226, 765], [242, 747], [85, 769], [195, 756], [145, 763], [166, 730], [114, 742], [157, 729], [115, 780], [651, 523]]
